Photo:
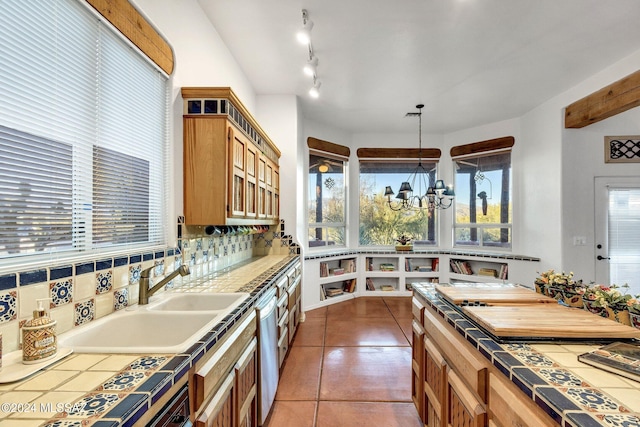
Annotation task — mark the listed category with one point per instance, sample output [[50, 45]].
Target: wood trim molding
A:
[[483, 146], [122, 15], [329, 147], [399, 153], [615, 98]]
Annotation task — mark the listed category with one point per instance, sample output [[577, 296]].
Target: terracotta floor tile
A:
[[292, 414], [300, 378], [359, 307], [363, 331], [310, 332], [367, 414], [318, 312], [366, 374], [400, 307]]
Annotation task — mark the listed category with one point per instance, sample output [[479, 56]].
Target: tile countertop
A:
[[109, 390], [573, 393]]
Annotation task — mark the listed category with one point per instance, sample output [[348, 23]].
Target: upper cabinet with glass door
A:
[[231, 172]]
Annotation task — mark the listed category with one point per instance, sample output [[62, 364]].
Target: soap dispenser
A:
[[39, 341]]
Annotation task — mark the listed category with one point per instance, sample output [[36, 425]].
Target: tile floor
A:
[[349, 365]]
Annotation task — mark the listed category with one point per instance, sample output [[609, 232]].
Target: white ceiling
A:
[[470, 62]]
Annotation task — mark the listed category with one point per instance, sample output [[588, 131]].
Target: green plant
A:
[[403, 240], [608, 296]]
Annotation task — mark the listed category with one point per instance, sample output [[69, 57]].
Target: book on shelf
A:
[[424, 268], [407, 264], [619, 358], [385, 266], [370, 285], [324, 269], [460, 267], [387, 288], [350, 285], [434, 264], [336, 271], [491, 272], [504, 272], [348, 265], [332, 292]]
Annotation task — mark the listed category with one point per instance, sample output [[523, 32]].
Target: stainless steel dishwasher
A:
[[268, 372]]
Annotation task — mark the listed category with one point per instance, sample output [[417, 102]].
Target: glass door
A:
[[617, 216]]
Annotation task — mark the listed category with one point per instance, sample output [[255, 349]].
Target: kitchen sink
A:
[[198, 301], [171, 324]]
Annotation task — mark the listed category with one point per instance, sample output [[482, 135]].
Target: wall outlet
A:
[[579, 240]]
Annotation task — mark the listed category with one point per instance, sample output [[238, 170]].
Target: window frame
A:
[[482, 228], [326, 226], [412, 163]]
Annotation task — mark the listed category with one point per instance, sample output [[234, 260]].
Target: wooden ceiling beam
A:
[[613, 99]]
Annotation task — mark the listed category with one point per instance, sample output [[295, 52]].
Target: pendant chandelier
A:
[[427, 195]]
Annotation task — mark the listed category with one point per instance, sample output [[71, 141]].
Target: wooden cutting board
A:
[[492, 295], [547, 321]]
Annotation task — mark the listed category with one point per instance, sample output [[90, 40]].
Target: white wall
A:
[[553, 168]]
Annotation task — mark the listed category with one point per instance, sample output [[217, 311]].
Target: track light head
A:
[[311, 66], [304, 35], [314, 92]]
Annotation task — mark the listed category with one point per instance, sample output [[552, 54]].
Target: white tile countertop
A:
[[109, 390]]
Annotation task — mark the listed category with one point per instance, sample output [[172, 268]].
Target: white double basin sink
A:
[[171, 323]]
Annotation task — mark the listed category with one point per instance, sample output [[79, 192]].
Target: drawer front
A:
[[417, 309], [463, 409], [282, 324], [282, 306], [511, 407], [208, 376], [467, 365], [219, 411], [283, 347], [281, 286]]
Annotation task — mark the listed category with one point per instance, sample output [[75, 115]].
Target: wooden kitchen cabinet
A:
[[223, 384], [231, 168], [461, 388]]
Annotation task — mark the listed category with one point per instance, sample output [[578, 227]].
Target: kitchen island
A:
[[465, 377], [109, 390]]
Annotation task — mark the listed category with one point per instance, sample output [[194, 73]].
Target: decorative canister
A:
[[620, 316], [39, 342], [635, 319], [590, 307], [572, 299]]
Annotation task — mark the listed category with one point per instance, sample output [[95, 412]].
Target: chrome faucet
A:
[[145, 292]]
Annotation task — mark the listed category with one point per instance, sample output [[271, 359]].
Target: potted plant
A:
[[608, 301], [404, 243], [633, 305], [562, 287]]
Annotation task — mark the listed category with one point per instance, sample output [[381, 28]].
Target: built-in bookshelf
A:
[[478, 270], [331, 278]]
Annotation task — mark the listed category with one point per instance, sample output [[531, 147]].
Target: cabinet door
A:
[[262, 188], [219, 411], [246, 387], [251, 210], [435, 379], [463, 409], [238, 171], [417, 367], [205, 170], [276, 191]]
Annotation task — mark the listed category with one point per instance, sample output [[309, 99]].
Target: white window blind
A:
[[624, 237], [83, 135]]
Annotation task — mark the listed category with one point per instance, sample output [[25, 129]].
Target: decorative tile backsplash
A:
[[80, 293]]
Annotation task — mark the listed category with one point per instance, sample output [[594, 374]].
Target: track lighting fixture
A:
[[311, 66], [314, 92], [304, 35]]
